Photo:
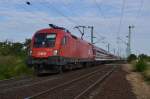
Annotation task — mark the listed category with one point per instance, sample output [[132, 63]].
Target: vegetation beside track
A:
[[12, 59], [141, 64]]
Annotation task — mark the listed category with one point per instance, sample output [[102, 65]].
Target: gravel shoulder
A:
[[139, 86], [115, 87]]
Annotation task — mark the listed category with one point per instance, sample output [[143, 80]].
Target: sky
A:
[[110, 19]]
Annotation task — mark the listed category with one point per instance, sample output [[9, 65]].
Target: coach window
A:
[[64, 41]]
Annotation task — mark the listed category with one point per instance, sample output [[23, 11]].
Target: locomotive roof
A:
[[61, 30], [51, 30]]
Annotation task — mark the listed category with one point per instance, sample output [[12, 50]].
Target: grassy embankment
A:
[[12, 61], [13, 66], [142, 65]]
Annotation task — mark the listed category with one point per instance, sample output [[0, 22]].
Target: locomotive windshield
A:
[[44, 40]]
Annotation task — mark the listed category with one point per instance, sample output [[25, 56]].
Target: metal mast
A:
[[129, 40], [92, 35], [81, 31]]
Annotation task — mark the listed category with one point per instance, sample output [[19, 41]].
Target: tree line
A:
[[133, 57], [14, 48]]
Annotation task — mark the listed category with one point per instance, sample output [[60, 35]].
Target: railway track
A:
[[24, 83], [28, 89], [82, 94], [12, 80], [12, 84], [27, 82], [64, 90]]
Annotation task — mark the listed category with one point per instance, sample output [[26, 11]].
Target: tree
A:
[[17, 48], [143, 57], [27, 45], [132, 57], [10, 48]]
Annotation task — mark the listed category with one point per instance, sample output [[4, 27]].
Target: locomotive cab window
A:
[[44, 40]]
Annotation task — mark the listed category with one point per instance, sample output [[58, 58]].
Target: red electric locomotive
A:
[[55, 48]]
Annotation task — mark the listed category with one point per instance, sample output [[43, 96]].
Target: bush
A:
[[132, 57], [13, 66], [12, 59], [10, 48], [141, 65], [147, 74], [143, 57]]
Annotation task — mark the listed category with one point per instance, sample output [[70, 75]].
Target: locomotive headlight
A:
[[55, 52]]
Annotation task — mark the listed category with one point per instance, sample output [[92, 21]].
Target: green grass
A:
[[13, 66], [141, 66], [146, 74]]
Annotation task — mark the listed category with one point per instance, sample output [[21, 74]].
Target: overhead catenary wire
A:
[[121, 18], [28, 4], [120, 25], [66, 6], [29, 17], [101, 36], [100, 11], [140, 8], [59, 12], [56, 10], [63, 14], [29, 14], [72, 11], [99, 8], [52, 7], [136, 17], [32, 14]]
